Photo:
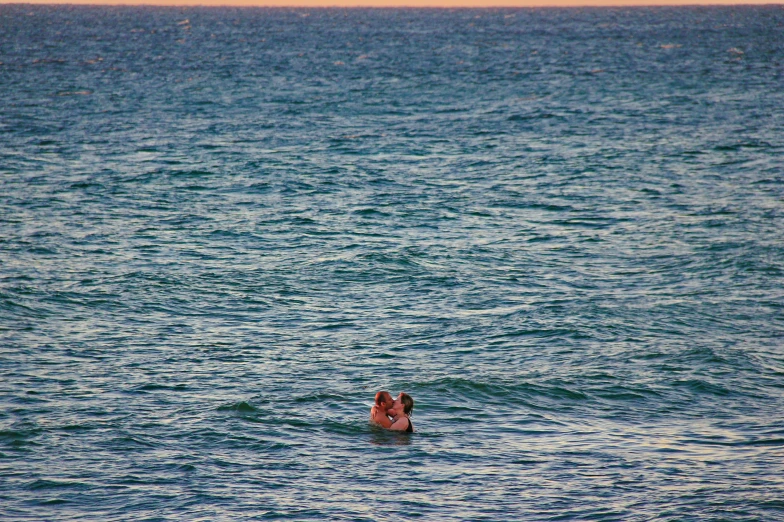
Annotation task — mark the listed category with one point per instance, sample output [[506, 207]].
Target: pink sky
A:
[[402, 3]]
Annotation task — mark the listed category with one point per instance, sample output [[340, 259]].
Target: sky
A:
[[402, 3]]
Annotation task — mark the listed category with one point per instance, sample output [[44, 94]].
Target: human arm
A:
[[380, 418], [400, 423]]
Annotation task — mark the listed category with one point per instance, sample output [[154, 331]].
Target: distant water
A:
[[223, 230]]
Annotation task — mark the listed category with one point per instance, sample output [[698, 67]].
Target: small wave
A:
[[128, 441], [242, 407], [155, 387], [749, 442], [531, 117], [596, 223], [703, 387], [195, 173], [317, 397], [748, 144], [551, 207], [55, 484], [624, 394], [705, 355], [371, 212], [18, 436], [350, 427], [54, 502], [761, 442], [77, 427], [475, 389], [86, 185], [338, 325], [74, 93]]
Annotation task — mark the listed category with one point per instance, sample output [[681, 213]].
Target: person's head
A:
[[384, 400], [403, 404]]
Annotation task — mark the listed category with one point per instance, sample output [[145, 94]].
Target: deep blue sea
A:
[[223, 230]]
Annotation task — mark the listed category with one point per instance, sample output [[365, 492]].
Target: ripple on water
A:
[[221, 234]]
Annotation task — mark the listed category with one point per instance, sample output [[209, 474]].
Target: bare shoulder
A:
[[376, 417], [401, 424]]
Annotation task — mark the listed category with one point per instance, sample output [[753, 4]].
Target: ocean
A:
[[561, 231]]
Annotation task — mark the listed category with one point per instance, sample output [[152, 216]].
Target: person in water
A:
[[379, 413], [401, 413]]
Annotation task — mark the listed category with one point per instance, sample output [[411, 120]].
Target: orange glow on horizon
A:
[[405, 3]]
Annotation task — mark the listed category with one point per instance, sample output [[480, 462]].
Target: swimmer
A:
[[401, 412], [379, 412]]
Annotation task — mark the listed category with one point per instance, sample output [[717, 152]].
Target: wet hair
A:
[[383, 396], [408, 403]]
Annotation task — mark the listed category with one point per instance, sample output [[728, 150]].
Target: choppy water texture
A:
[[222, 230]]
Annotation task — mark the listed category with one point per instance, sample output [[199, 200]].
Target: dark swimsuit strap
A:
[[410, 428]]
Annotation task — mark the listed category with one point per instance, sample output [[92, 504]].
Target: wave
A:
[[241, 407], [486, 390]]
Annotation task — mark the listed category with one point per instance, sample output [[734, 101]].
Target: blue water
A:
[[223, 230]]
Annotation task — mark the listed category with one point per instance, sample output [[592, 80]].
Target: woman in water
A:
[[401, 411]]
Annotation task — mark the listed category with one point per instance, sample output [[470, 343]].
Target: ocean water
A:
[[223, 230]]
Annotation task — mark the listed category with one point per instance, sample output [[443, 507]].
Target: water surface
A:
[[223, 230]]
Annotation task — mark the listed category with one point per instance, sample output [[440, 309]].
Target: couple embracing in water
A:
[[393, 414]]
